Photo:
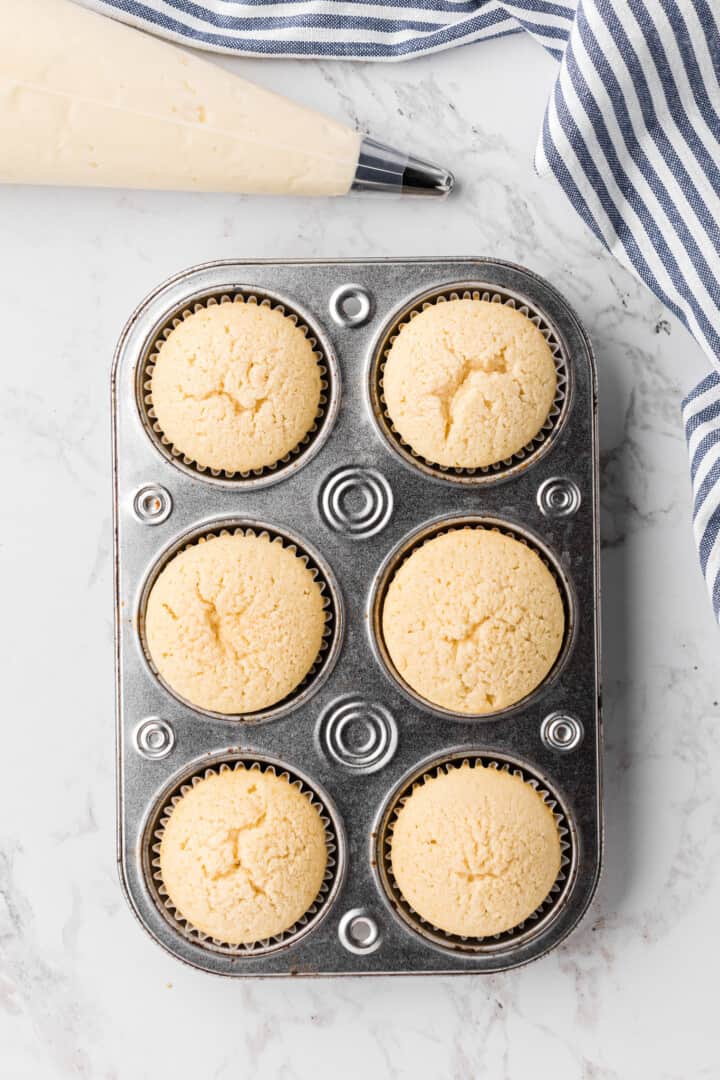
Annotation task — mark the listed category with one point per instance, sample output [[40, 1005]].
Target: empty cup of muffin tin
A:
[[355, 500]]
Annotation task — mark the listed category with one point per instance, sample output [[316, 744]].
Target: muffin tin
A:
[[355, 500]]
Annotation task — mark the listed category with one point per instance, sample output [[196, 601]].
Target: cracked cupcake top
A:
[[236, 386], [243, 855], [473, 620], [235, 622], [475, 851], [468, 383]]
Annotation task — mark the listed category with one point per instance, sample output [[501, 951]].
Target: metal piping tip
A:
[[425, 178], [381, 168]]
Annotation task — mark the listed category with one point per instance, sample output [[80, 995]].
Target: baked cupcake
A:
[[243, 855], [473, 620], [236, 386], [234, 623], [469, 383], [474, 850]]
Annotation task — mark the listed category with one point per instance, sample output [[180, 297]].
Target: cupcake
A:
[[243, 855], [469, 383], [474, 850], [473, 620], [234, 623], [236, 386]]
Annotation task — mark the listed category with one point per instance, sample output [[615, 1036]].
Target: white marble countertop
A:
[[83, 992]]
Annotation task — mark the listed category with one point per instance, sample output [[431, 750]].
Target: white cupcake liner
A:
[[530, 926], [307, 922], [329, 645], [521, 458], [172, 452], [424, 536]]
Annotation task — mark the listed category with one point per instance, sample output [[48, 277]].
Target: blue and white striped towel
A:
[[631, 132]]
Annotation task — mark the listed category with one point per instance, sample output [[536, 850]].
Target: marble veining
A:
[[83, 991]]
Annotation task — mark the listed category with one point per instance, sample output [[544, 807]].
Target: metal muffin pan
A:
[[353, 499]]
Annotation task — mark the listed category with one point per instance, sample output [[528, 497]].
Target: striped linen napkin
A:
[[631, 132]]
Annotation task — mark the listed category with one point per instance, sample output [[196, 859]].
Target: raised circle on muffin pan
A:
[[153, 832], [306, 448], [539, 920], [359, 734], [532, 451], [356, 501], [334, 622], [415, 540]]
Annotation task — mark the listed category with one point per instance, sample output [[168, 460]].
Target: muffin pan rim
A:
[[135, 462], [534, 924], [328, 655], [414, 540], [311, 443], [500, 472]]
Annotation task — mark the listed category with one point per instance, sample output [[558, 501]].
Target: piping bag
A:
[[88, 101]]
